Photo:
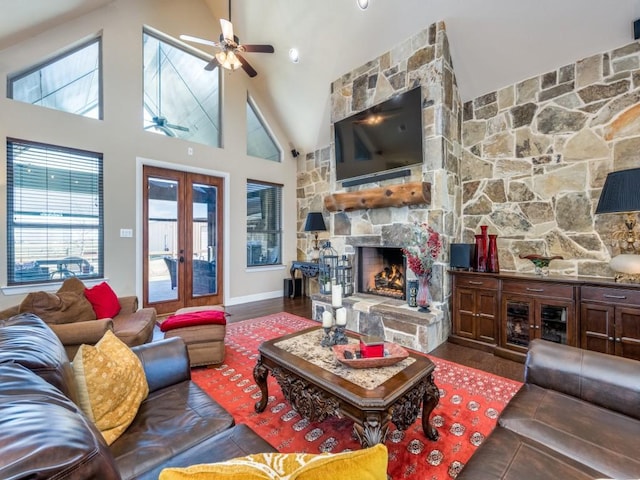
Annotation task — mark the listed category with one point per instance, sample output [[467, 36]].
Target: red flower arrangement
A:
[[423, 250]]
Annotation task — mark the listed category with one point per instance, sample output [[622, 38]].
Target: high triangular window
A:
[[260, 141], [181, 98], [69, 82]]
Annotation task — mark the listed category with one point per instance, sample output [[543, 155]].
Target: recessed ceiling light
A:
[[363, 4], [294, 55]]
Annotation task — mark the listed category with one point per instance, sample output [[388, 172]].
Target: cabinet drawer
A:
[[474, 281], [545, 289], [610, 295]]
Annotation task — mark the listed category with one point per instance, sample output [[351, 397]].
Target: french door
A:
[[182, 248]]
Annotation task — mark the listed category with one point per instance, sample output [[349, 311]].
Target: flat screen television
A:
[[383, 138]]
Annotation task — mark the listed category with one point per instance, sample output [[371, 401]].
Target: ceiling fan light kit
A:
[[228, 60]]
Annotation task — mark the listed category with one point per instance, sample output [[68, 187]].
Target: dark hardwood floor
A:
[[466, 356]]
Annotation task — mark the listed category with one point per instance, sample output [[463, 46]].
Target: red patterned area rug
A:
[[470, 402]]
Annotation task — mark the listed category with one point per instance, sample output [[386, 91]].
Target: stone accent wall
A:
[[423, 59], [536, 155]]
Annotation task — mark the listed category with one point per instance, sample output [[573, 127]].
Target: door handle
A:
[[617, 297], [535, 289], [181, 259], [472, 282]]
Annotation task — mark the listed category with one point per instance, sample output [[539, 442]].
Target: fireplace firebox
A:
[[382, 271]]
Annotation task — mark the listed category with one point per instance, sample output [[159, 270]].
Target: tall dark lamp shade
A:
[[315, 224], [621, 194]]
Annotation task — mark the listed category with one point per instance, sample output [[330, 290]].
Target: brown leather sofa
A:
[[43, 434], [576, 417]]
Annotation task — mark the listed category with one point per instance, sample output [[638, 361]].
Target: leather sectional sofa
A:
[[576, 417], [43, 434]]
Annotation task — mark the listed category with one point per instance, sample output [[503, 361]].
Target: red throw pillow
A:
[[191, 319], [103, 300]]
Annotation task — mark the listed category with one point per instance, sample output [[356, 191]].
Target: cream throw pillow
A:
[[366, 464], [111, 384]]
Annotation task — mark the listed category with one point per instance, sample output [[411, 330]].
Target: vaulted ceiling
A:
[[494, 43]]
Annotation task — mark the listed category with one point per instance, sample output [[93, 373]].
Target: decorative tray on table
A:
[[392, 354]]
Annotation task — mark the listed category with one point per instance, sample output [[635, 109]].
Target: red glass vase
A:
[[493, 265], [479, 256]]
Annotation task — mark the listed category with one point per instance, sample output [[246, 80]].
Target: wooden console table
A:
[[307, 269]]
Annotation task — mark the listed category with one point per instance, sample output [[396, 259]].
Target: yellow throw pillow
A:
[[366, 464], [111, 384]]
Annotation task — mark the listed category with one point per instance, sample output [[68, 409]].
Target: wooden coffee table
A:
[[316, 392]]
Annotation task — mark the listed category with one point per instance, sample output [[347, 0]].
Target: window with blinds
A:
[[54, 213], [264, 223]]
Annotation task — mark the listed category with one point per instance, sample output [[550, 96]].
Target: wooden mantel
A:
[[412, 193]]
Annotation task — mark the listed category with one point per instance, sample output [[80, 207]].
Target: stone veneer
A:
[[424, 59], [536, 155], [528, 160], [390, 319]]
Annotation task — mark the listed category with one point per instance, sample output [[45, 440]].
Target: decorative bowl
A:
[[541, 263], [393, 354]]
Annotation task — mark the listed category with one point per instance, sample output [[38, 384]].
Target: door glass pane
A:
[[518, 323], [553, 323], [163, 241], [205, 249]]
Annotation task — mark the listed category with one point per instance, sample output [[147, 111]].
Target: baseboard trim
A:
[[253, 298]]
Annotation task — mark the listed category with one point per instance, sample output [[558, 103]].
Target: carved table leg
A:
[[373, 430], [260, 374], [431, 399]]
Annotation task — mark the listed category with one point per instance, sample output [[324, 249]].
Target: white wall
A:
[[124, 143]]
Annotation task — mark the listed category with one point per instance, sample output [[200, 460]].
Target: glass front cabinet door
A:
[[527, 318]]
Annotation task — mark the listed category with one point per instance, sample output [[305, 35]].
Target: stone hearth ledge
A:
[[390, 319]]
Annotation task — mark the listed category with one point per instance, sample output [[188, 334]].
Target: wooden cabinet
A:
[[535, 309], [610, 320], [502, 313], [475, 310]]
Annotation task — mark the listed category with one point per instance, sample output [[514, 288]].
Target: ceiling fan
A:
[[160, 123], [230, 51]]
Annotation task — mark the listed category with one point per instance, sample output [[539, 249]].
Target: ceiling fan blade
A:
[[257, 48], [167, 131], [177, 127], [202, 41], [227, 29], [212, 64], [246, 67]]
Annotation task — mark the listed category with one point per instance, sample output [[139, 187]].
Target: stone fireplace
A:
[[381, 271], [379, 214]]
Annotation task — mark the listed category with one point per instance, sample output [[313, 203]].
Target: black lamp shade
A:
[[314, 223], [621, 192]]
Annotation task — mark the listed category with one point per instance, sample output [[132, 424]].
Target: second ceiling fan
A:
[[230, 51]]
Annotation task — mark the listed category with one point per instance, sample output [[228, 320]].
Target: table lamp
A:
[[621, 194], [315, 224]]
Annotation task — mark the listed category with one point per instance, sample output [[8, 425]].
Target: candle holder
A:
[[339, 337], [335, 334], [327, 339]]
